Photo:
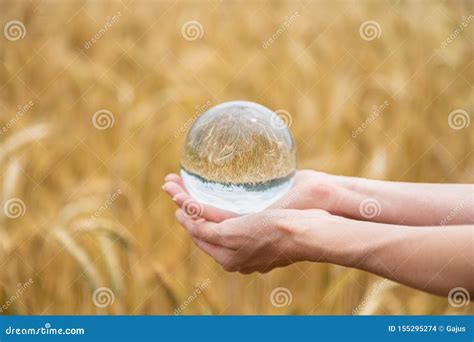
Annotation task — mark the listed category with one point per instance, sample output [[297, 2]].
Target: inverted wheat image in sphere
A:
[[239, 156]]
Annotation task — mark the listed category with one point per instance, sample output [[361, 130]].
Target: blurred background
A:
[[96, 98]]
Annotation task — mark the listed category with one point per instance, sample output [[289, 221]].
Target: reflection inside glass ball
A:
[[239, 156]]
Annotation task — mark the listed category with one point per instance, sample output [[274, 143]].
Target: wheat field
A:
[[95, 101]]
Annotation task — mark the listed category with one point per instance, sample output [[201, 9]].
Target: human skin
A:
[[323, 219]]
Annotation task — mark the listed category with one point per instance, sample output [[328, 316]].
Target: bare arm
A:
[[433, 259], [404, 203]]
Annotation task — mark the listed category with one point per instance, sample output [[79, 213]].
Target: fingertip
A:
[[172, 188], [180, 198], [166, 187], [171, 177]]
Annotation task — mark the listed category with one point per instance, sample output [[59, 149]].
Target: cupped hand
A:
[[310, 190], [254, 242]]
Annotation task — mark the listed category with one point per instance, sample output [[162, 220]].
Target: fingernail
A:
[[174, 199]]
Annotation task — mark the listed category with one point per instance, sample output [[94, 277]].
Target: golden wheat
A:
[[76, 235]]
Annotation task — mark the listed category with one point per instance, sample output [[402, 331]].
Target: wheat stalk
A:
[[160, 275], [111, 262], [27, 135], [80, 256], [82, 206], [376, 293], [10, 181], [102, 225]]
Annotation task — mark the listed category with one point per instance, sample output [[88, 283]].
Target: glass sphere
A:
[[238, 156]]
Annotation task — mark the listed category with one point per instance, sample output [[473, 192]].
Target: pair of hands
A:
[[418, 234], [256, 242]]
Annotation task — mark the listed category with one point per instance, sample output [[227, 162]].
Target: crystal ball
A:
[[239, 156]]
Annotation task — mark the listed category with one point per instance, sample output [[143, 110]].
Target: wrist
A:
[[318, 236], [333, 239], [335, 194], [291, 230], [360, 199]]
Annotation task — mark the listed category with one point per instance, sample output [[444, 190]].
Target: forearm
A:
[[433, 259], [402, 203]]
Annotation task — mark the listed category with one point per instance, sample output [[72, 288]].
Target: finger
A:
[[206, 211], [220, 254], [173, 177], [172, 189], [217, 215], [176, 213], [203, 230], [181, 198]]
